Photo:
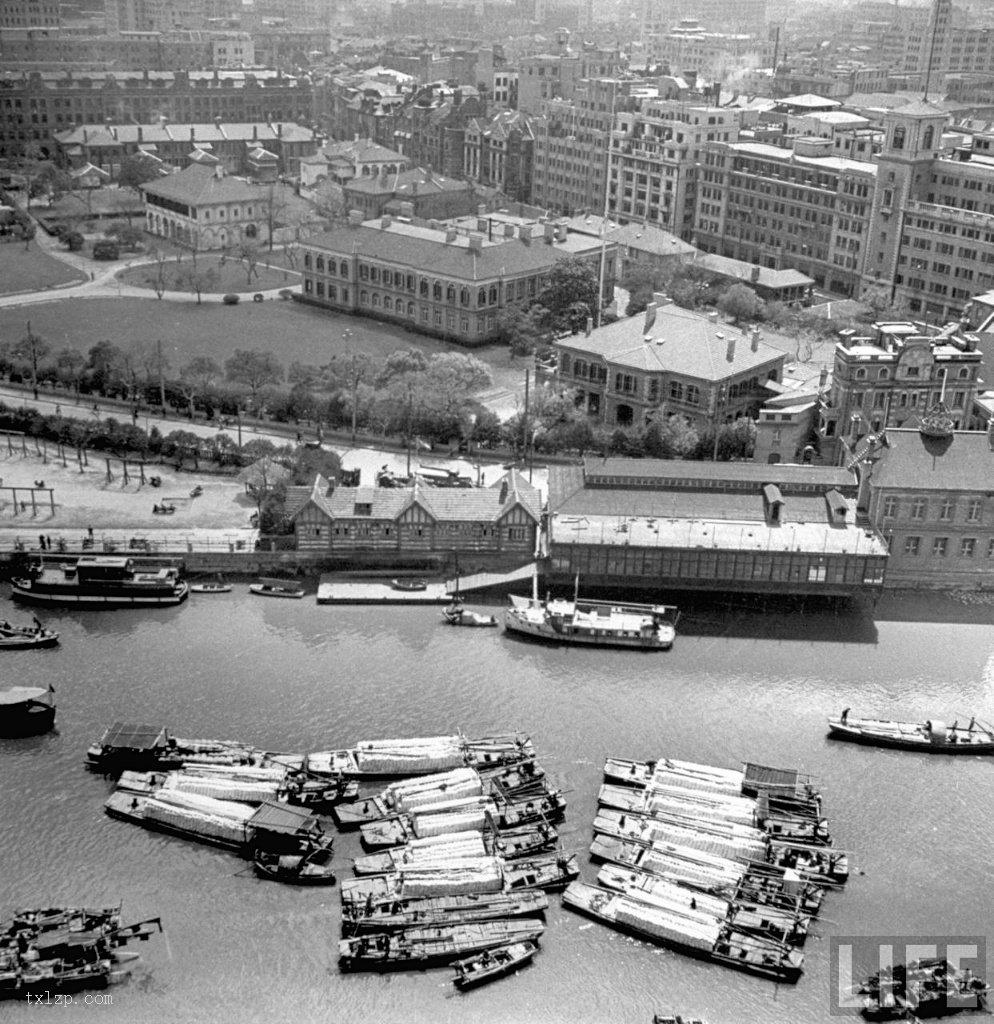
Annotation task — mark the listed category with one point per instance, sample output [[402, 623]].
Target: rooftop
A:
[[426, 249], [199, 185], [679, 341], [910, 460]]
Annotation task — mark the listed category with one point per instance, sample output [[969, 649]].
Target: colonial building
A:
[[670, 525], [427, 193], [892, 378], [36, 104], [438, 279], [932, 499], [500, 152], [640, 246], [231, 145], [670, 362], [502, 519], [205, 209], [343, 162]]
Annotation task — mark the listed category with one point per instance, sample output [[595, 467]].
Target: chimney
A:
[[650, 317], [846, 336], [550, 233], [823, 378], [476, 243], [407, 210], [193, 133], [279, 130], [140, 139], [450, 234], [755, 339], [712, 317], [481, 224], [754, 274], [990, 434], [86, 135], [661, 299], [219, 171], [386, 221], [481, 210], [355, 218], [590, 325], [730, 349], [255, 133], [561, 232], [525, 233]]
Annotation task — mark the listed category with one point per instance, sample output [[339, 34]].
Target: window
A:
[[973, 511], [343, 269], [939, 546], [911, 545], [890, 507], [918, 508], [967, 547], [307, 260], [946, 510]]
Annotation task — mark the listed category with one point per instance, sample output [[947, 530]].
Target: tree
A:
[[73, 241], [136, 171], [159, 277], [523, 330], [32, 349], [197, 378], [69, 368], [641, 283], [128, 236], [400, 363], [248, 253], [255, 370], [106, 367], [198, 277], [353, 369], [740, 303], [571, 294]]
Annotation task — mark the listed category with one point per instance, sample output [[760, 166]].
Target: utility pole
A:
[[162, 383], [718, 404], [525, 426], [410, 400], [355, 397]]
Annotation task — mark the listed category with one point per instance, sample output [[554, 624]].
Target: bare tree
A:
[[32, 349], [197, 378], [159, 277], [198, 277]]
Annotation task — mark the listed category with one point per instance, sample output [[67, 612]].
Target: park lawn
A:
[[31, 269], [292, 331], [269, 273]]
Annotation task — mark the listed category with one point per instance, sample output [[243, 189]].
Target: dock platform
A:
[[372, 592], [490, 580]]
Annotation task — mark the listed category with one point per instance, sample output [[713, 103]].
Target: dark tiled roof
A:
[[200, 186], [427, 251], [909, 461]]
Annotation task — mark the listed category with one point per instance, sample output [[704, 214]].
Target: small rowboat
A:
[[25, 637], [409, 585], [210, 588], [277, 588], [314, 868], [456, 615], [493, 963]]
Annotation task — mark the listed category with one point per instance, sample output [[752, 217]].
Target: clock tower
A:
[[912, 139]]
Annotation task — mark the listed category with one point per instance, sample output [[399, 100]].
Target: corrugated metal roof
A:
[[281, 818], [134, 737]]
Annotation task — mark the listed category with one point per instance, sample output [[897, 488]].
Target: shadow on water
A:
[[970, 608]]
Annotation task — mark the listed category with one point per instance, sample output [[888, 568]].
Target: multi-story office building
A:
[[892, 378], [36, 105], [500, 152], [558, 76], [25, 14], [438, 279], [689, 47], [803, 208], [744, 16], [654, 159]]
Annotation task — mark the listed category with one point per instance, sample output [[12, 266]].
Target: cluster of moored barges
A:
[[457, 870], [730, 866], [65, 949]]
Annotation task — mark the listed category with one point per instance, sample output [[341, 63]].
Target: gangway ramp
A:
[[490, 580]]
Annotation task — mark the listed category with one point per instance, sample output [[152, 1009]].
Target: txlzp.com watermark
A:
[[855, 958], [47, 998]]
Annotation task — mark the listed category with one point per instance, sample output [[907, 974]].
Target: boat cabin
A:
[[124, 736], [279, 828]]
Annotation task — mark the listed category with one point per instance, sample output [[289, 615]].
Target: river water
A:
[[294, 676]]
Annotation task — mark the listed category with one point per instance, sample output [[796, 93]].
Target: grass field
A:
[[290, 330], [30, 269], [231, 274]]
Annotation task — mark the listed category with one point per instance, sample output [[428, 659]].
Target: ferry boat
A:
[[101, 581], [649, 627]]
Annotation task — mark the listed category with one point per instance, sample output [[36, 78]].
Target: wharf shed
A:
[[670, 524]]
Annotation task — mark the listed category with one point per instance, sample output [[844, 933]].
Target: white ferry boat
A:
[[596, 623]]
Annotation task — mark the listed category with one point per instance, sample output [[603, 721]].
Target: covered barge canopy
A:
[[127, 736]]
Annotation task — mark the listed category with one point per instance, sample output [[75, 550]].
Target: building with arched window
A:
[[202, 208]]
